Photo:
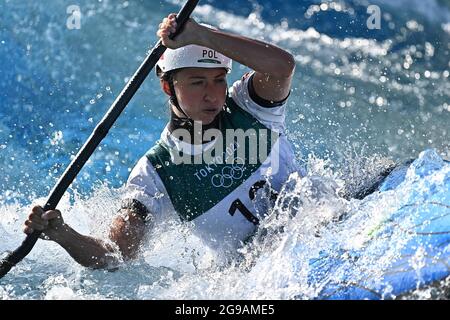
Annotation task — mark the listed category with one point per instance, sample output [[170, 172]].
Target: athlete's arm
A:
[[89, 251], [274, 67], [128, 233]]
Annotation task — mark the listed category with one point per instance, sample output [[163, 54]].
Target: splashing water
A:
[[361, 101]]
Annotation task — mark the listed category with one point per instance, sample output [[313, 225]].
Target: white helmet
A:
[[193, 56]]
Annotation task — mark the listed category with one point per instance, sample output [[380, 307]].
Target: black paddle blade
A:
[[5, 266], [17, 255]]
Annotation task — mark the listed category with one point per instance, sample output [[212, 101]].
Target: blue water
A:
[[361, 100]]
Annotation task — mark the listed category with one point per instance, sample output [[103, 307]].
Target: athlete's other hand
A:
[[189, 34]]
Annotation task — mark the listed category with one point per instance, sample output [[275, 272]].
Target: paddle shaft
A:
[[100, 131]]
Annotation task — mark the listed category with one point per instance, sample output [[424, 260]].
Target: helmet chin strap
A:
[[183, 121]]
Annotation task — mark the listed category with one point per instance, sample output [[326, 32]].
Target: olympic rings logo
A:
[[229, 174]]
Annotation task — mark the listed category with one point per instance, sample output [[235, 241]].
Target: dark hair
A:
[[168, 76], [173, 101]]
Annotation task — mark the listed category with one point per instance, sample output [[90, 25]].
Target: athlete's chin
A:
[[209, 116]]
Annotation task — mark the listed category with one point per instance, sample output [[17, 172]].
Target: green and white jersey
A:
[[226, 196]]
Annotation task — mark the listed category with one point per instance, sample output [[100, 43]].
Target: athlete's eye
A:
[[222, 80], [197, 83]]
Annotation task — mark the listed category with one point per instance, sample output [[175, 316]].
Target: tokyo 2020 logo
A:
[[229, 174]]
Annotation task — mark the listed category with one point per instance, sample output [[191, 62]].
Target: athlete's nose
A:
[[209, 94], [210, 98]]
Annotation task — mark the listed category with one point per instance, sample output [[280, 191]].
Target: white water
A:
[[344, 105], [174, 264]]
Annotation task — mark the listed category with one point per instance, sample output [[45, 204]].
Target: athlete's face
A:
[[201, 92]]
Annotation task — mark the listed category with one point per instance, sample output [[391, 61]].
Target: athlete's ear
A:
[[165, 87]]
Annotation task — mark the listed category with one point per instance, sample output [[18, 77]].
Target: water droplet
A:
[[159, 195], [380, 101]]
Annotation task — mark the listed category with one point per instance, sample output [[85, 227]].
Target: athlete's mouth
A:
[[210, 110]]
